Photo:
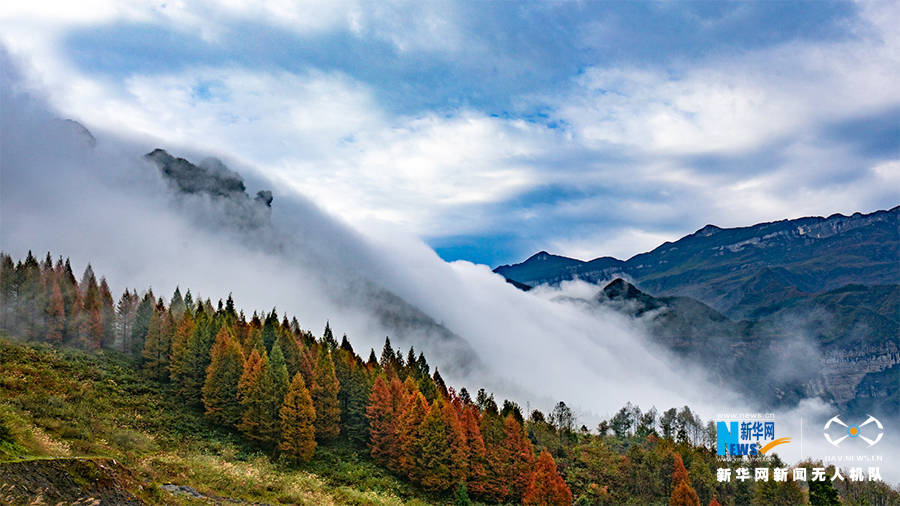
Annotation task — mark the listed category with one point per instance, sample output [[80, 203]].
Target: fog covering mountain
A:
[[146, 217], [782, 311], [146, 213]]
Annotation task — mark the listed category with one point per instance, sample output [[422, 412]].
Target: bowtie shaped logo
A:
[[852, 431]]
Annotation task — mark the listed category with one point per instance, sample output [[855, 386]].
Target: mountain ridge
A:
[[829, 287], [849, 350], [712, 264]]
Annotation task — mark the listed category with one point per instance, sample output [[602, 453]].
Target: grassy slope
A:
[[67, 403]]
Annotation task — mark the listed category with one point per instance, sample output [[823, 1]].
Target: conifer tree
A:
[[298, 422], [107, 315], [199, 347], [546, 485], [56, 312], [353, 394], [157, 344], [328, 338], [387, 355], [494, 486], [229, 307], [87, 278], [90, 321], [682, 494], [254, 341], [475, 450], [439, 384], [325, 397], [7, 291], [440, 456], [220, 390], [279, 378], [285, 327], [412, 367], [414, 413], [290, 347], [518, 456], [189, 302], [33, 305], [346, 346], [176, 304], [308, 364], [125, 315], [270, 330], [142, 322], [252, 393], [679, 472], [353, 406], [182, 359], [46, 265], [383, 424], [71, 298]]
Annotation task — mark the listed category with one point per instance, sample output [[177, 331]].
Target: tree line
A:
[[288, 391], [284, 389]]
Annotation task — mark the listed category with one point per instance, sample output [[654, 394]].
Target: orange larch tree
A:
[[382, 415], [682, 493], [440, 455], [519, 457], [324, 392], [546, 485], [298, 434], [413, 414], [251, 394], [475, 451], [220, 390]]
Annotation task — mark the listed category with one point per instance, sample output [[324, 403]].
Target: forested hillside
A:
[[166, 375]]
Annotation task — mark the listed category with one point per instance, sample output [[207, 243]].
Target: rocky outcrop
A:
[[212, 180], [67, 481]]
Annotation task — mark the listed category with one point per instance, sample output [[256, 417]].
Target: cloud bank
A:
[[496, 131]]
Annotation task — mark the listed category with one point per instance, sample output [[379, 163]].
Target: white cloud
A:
[[326, 135], [735, 102], [407, 25], [619, 243]]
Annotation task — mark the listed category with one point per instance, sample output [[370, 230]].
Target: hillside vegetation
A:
[[186, 402], [65, 403]]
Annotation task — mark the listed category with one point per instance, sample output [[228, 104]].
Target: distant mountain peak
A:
[[718, 265], [621, 289], [543, 256], [708, 230]]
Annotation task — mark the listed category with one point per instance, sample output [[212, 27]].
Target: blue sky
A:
[[496, 129]]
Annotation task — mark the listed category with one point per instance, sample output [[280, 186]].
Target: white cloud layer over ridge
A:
[[739, 134], [134, 230]]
